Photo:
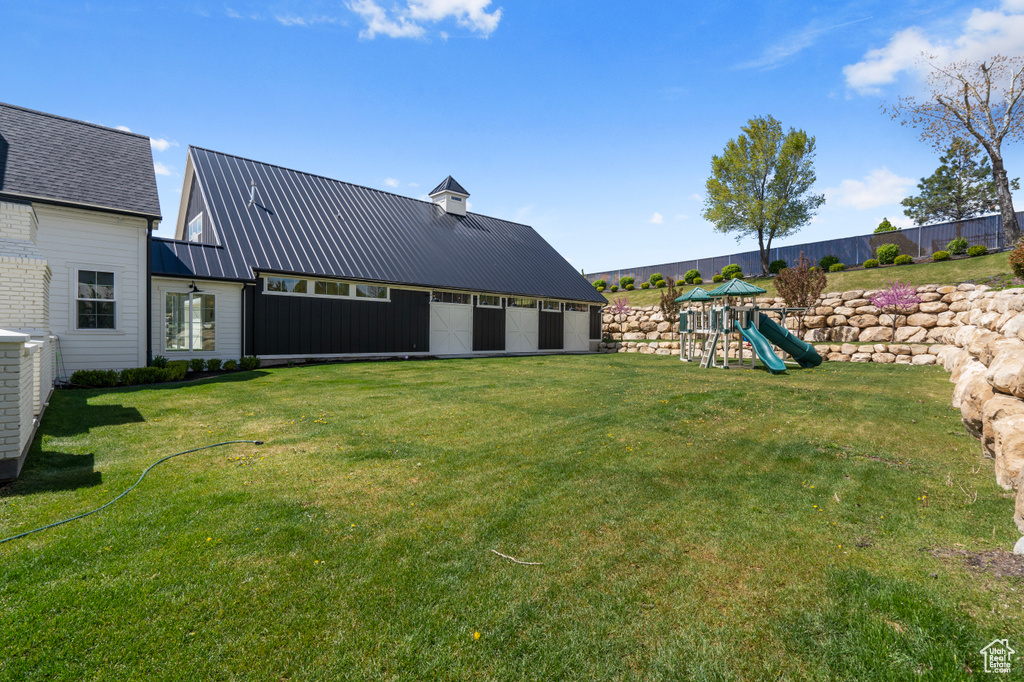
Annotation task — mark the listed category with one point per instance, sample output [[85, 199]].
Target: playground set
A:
[[722, 317]]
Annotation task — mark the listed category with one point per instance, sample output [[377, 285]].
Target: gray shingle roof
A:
[[449, 185], [311, 225], [47, 157]]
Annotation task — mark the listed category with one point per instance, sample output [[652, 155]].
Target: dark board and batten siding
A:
[[310, 325], [595, 322], [488, 329], [551, 330]]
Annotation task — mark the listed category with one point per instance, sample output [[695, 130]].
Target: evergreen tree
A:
[[885, 226], [961, 188]]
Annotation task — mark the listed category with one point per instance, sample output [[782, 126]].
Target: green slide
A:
[[763, 348], [803, 353]]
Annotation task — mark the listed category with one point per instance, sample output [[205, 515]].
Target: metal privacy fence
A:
[[915, 241]]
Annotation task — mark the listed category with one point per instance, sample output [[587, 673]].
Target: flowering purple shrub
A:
[[620, 306], [896, 299]]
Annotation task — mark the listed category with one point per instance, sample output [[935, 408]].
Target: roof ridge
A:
[[172, 240], [74, 120], [344, 182]]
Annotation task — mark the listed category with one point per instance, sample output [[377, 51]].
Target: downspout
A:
[[149, 292]]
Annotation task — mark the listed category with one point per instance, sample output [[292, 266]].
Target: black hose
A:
[[93, 511]]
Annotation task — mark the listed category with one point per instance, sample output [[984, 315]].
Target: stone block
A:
[[926, 320], [885, 358], [875, 334], [925, 359], [910, 334]]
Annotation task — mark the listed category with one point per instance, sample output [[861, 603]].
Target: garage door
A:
[[577, 331], [451, 328], [521, 330]]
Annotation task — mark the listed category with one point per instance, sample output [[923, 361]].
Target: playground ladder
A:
[[709, 351]]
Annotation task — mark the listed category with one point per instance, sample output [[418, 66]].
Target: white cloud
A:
[[161, 145], [681, 216], [776, 54], [414, 184], [391, 182], [983, 34], [161, 169], [696, 197], [880, 187], [124, 128], [295, 20], [406, 21], [657, 219]]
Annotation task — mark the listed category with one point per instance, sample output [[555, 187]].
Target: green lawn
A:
[[993, 270], [691, 524]]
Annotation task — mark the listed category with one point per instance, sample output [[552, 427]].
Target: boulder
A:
[[926, 320], [1018, 517], [860, 357], [664, 351], [633, 336], [838, 357], [987, 320], [951, 356], [874, 334], [919, 349], [816, 335], [959, 306], [899, 349], [836, 320], [844, 334], [886, 358], [946, 290], [911, 334], [868, 310], [977, 392], [928, 297], [1006, 370], [886, 320], [863, 321], [966, 286], [814, 321], [1014, 327], [846, 311], [664, 326], [944, 319], [1003, 437], [978, 345], [858, 303], [653, 335], [648, 326], [963, 375], [851, 295], [937, 335], [849, 349], [824, 310], [904, 360], [924, 359]]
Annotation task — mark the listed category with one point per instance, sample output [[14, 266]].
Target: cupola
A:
[[451, 196]]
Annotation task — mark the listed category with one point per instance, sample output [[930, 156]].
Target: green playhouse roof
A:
[[694, 294], [736, 287]]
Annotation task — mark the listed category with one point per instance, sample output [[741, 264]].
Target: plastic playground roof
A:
[[694, 294], [736, 287]]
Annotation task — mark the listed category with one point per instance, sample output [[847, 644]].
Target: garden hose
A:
[[150, 467]]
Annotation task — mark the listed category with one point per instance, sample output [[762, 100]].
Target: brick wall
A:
[[25, 365], [24, 272]]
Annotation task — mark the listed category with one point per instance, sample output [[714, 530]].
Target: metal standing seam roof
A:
[[46, 157], [449, 184], [736, 287], [311, 225], [694, 294]]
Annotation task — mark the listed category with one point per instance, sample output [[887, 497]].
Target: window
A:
[[488, 301], [286, 285], [577, 307], [195, 228], [459, 199], [189, 322], [326, 288], [450, 297], [550, 305], [96, 300], [522, 303], [371, 291]]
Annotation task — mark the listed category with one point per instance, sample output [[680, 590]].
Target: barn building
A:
[[288, 265]]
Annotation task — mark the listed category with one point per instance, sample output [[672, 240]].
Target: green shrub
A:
[[957, 247], [1017, 259], [697, 280], [95, 378], [630, 287], [626, 281], [141, 375], [777, 266], [661, 284], [737, 275], [885, 226], [213, 365], [196, 364], [655, 278], [814, 268], [717, 278], [249, 363], [614, 288], [940, 255], [870, 263], [600, 284], [977, 250], [691, 275], [886, 253], [159, 362], [175, 370], [728, 270], [230, 366], [836, 267], [827, 262], [600, 289], [645, 285], [903, 259]]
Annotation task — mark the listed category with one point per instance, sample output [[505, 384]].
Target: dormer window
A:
[[458, 199], [195, 228]]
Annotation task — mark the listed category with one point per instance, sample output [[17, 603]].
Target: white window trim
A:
[[544, 302], [489, 305], [451, 291], [118, 271], [188, 229], [535, 306], [163, 321], [311, 287]]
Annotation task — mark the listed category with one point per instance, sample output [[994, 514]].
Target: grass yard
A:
[[993, 270], [691, 524]]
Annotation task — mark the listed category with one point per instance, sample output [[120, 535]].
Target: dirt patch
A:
[[996, 561]]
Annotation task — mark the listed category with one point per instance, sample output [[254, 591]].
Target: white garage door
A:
[[577, 331], [521, 330], [451, 328]]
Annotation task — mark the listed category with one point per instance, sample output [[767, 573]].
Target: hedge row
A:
[[161, 371]]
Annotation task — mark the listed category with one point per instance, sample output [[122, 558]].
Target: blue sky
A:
[[594, 122]]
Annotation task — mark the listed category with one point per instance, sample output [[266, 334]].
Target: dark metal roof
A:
[[311, 225], [449, 185], [46, 157]]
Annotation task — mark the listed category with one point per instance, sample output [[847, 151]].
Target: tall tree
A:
[[962, 187], [760, 185], [974, 100]]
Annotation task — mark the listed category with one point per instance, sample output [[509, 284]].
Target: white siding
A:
[[227, 318], [72, 238]]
